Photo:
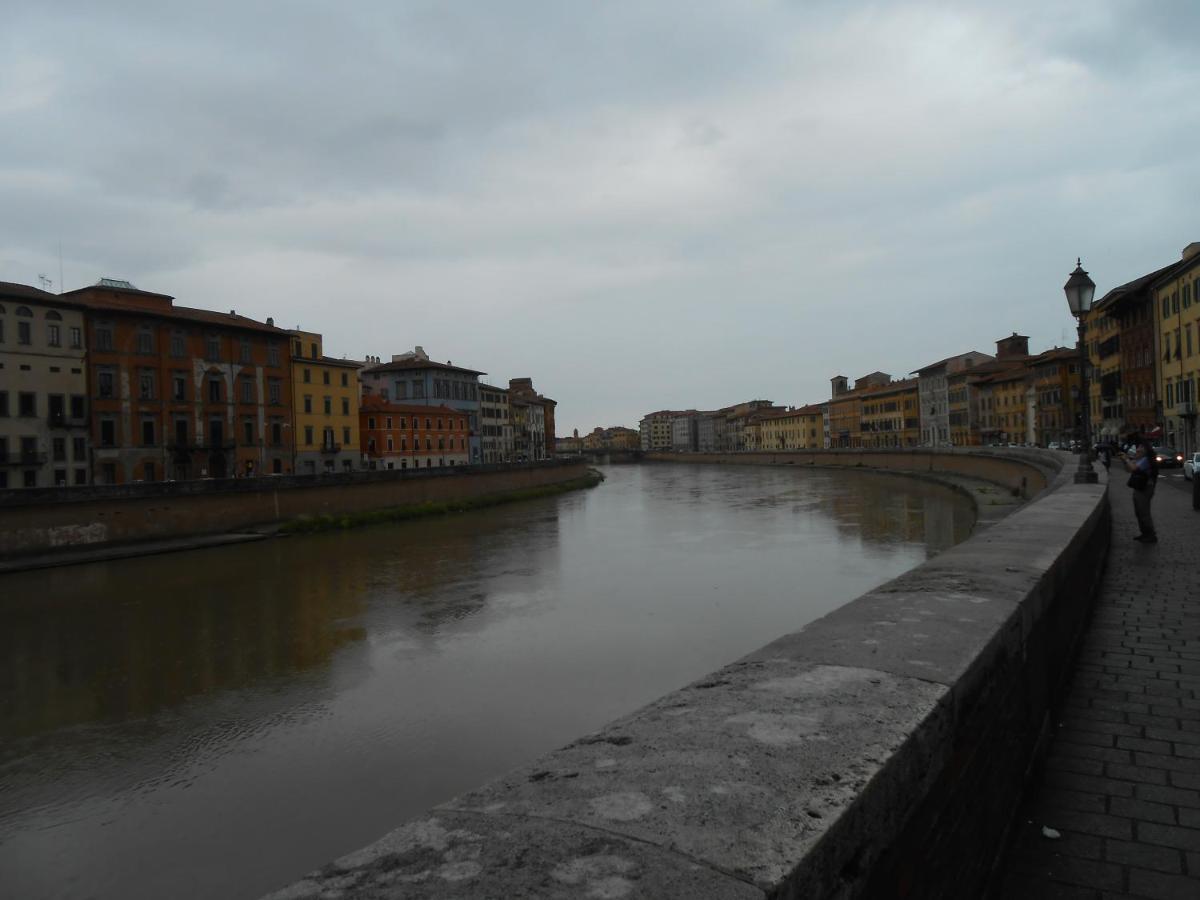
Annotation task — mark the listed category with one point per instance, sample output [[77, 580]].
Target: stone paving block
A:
[[1160, 886], [1147, 856], [1142, 809], [1169, 836]]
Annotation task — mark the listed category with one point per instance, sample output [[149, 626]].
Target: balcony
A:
[[331, 448], [23, 458]]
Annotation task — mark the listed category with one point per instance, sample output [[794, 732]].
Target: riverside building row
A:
[[110, 384], [1142, 340]]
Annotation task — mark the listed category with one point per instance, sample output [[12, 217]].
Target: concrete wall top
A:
[[791, 772], [19, 497]]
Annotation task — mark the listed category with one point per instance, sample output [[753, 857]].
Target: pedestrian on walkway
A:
[[1143, 474]]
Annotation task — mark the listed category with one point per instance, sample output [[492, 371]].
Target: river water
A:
[[218, 722]]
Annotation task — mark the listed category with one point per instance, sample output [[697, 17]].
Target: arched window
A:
[[24, 311], [53, 316]]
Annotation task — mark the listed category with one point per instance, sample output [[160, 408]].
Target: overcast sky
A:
[[640, 205]]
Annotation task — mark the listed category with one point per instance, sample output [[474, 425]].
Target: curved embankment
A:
[[879, 751]]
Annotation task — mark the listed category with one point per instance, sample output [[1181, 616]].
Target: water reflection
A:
[[298, 697]]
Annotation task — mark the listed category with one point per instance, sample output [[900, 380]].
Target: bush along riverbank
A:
[[311, 524]]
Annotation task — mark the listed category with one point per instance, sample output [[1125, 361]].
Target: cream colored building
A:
[[43, 390]]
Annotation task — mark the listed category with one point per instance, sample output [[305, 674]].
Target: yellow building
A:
[[324, 408], [1177, 309], [890, 415]]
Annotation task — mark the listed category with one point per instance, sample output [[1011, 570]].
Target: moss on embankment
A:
[[310, 524]]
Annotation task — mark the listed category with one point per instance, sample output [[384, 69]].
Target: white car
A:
[[1190, 466]]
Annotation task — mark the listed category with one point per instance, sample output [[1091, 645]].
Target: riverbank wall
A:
[[880, 751], [46, 520]]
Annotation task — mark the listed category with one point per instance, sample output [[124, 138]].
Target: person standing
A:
[[1143, 474]]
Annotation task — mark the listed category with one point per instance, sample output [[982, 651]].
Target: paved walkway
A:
[[1122, 781]]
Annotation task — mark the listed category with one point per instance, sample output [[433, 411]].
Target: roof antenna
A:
[[47, 282]]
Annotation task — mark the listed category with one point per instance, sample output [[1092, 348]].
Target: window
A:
[[403, 444], [276, 433], [59, 449], [212, 347], [177, 346], [30, 475], [346, 402], [388, 422], [23, 335], [345, 380], [308, 403], [402, 425], [79, 449], [418, 390], [104, 382], [427, 425], [214, 390], [78, 407], [104, 336], [371, 423], [247, 390], [3, 404], [245, 354], [308, 435], [146, 385], [346, 437], [108, 433], [248, 431], [308, 376], [147, 432], [325, 377], [315, 353], [178, 387], [148, 471], [389, 442], [145, 340], [439, 424], [328, 405], [26, 404], [81, 476], [272, 354], [274, 391], [54, 335]]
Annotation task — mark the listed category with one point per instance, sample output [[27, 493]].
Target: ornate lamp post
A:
[[1080, 290]]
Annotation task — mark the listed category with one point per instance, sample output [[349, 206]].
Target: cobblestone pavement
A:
[[1122, 781]]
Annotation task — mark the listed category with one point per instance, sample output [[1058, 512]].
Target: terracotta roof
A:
[[10, 290], [412, 365], [1138, 284], [374, 403], [169, 311]]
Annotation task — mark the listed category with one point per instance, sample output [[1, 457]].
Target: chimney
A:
[[233, 312], [1013, 345], [1191, 250], [271, 321]]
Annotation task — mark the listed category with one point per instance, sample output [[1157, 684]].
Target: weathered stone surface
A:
[[494, 857], [747, 769]]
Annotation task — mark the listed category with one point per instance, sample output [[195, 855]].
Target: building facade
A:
[[933, 394], [413, 378], [495, 424], [412, 436], [891, 415], [325, 400], [181, 393], [655, 430], [1178, 308], [44, 440], [528, 417]]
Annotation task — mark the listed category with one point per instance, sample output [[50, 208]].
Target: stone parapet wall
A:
[[880, 751], [47, 519]]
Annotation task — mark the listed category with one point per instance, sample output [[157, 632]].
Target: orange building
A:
[[410, 436], [181, 393]]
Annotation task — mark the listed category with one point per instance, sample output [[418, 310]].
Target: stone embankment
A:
[[879, 751], [38, 523]]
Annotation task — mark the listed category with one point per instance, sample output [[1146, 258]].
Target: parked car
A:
[[1168, 458], [1190, 466]]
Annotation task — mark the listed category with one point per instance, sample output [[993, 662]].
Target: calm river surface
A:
[[216, 723]]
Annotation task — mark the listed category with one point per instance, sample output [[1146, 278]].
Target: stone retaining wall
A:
[[46, 519], [880, 751]]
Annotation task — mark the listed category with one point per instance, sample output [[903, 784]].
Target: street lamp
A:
[[1079, 290]]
